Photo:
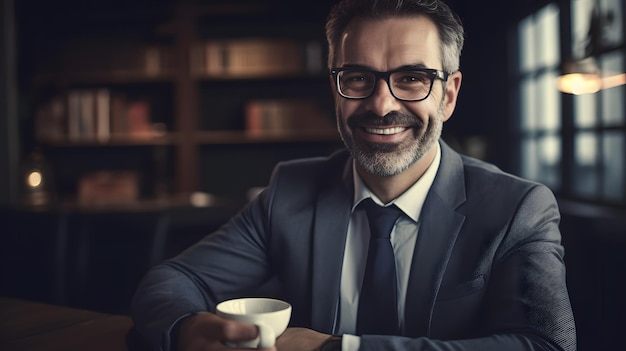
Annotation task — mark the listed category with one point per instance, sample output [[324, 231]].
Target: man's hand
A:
[[300, 339], [208, 332]]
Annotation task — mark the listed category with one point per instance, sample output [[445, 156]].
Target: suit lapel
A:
[[439, 227], [329, 237]]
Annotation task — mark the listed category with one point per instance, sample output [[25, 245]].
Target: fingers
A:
[[207, 331], [227, 330]]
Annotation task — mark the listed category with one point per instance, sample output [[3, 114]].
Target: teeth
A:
[[385, 131]]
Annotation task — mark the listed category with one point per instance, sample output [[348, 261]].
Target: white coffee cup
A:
[[271, 317]]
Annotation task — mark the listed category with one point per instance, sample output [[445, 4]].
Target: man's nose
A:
[[382, 100]]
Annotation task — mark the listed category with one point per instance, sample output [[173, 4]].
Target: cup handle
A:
[[267, 336]]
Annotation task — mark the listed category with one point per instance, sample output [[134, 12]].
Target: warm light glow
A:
[[579, 83], [584, 83], [34, 179], [200, 199], [613, 81]]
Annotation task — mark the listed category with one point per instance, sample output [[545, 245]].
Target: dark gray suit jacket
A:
[[487, 271]]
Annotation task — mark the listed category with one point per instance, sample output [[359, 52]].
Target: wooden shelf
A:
[[101, 78], [245, 137], [155, 204], [224, 137], [121, 140], [142, 205], [225, 77]]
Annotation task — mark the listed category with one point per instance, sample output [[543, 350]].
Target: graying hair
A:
[[448, 23]]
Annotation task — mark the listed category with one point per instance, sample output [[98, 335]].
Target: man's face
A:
[[385, 135]]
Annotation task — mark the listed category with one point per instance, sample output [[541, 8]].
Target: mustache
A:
[[392, 118]]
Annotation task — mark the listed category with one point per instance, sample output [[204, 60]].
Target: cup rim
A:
[[284, 305]]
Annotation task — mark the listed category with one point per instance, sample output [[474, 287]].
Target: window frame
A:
[[565, 184]]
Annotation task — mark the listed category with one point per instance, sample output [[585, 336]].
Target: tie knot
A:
[[381, 219]]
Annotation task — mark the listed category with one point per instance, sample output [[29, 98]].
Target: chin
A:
[[385, 164]]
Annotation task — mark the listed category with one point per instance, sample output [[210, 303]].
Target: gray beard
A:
[[390, 160]]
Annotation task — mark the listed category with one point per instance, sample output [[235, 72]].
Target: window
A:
[[575, 144], [599, 143], [540, 109]]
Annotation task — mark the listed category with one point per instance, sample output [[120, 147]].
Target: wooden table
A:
[[27, 326]]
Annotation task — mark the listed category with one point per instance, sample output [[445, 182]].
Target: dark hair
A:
[[448, 23]]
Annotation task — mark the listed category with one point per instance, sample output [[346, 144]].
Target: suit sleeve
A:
[[190, 282], [527, 304]]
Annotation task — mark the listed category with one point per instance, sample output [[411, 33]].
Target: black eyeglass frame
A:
[[433, 74]]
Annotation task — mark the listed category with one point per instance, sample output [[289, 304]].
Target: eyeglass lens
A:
[[409, 85]]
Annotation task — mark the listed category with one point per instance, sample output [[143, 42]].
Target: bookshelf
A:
[[185, 97]]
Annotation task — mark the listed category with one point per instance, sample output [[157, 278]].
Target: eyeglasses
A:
[[406, 84]]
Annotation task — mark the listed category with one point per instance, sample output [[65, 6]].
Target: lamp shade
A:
[[580, 77]]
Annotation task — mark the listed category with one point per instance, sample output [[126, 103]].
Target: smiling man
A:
[[398, 242], [392, 128]]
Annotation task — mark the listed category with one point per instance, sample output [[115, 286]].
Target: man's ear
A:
[[453, 85]]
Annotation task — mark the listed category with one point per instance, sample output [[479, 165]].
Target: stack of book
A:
[[256, 58], [285, 115], [113, 61], [93, 115], [108, 188]]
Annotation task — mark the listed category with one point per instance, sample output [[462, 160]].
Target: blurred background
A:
[[130, 129]]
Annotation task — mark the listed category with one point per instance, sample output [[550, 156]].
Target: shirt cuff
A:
[[170, 338], [350, 342]]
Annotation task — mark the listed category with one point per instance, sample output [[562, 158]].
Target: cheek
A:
[[424, 110], [346, 108], [420, 111]]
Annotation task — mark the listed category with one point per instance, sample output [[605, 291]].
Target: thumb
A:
[[237, 331]]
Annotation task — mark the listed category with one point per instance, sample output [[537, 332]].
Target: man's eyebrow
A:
[[413, 66], [404, 67], [357, 66]]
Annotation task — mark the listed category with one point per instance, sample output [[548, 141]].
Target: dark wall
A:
[[595, 243], [93, 260]]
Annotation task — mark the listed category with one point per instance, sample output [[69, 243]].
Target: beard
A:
[[389, 159]]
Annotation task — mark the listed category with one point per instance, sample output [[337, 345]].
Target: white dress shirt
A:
[[403, 238]]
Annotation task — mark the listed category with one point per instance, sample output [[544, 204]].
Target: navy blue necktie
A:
[[378, 309]]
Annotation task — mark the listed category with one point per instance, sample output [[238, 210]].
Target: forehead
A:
[[384, 44]]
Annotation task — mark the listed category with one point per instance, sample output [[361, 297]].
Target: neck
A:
[[389, 188]]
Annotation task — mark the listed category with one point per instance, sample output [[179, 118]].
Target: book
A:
[[87, 116], [82, 110], [284, 115], [108, 188], [73, 115], [153, 61], [253, 58], [138, 119], [215, 58], [267, 57], [103, 115], [119, 125]]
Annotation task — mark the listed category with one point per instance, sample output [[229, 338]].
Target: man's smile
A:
[[383, 134], [385, 131]]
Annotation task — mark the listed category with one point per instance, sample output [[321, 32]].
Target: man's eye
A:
[[354, 77], [412, 77]]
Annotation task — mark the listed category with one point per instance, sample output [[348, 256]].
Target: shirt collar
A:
[[412, 200]]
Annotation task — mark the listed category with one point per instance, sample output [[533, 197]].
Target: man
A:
[[477, 253]]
